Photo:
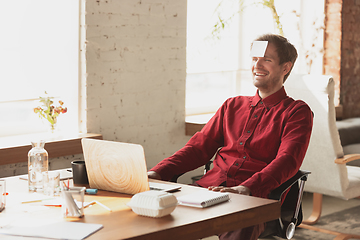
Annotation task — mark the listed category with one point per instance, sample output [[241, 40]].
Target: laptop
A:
[[118, 167]]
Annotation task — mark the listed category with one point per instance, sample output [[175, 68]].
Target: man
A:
[[259, 141]]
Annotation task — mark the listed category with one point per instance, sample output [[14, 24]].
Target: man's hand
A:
[[154, 175], [238, 189]]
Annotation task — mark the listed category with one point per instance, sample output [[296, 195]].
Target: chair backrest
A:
[[327, 177]]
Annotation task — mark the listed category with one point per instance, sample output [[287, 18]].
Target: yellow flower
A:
[[49, 111]]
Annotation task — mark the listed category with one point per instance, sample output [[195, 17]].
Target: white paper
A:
[[64, 174], [258, 48], [62, 230]]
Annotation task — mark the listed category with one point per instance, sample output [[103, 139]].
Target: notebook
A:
[[203, 198], [118, 167]]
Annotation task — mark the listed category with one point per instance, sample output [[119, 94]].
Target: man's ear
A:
[[286, 67]]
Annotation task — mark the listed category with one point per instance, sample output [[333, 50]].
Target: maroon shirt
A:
[[263, 143]]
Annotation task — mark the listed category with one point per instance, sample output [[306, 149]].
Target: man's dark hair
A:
[[285, 50]]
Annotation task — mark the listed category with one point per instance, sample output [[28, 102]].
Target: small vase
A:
[[52, 128]]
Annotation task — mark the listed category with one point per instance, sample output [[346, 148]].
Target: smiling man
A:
[[258, 141]]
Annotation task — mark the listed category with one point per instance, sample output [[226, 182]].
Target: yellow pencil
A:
[[91, 203], [33, 201]]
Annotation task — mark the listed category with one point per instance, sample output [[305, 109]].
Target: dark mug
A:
[[79, 172]]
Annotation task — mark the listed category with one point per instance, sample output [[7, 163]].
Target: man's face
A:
[[267, 74]]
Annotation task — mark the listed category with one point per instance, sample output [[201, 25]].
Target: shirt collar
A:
[[271, 100]]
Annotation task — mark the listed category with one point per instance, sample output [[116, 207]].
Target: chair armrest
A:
[[347, 158], [278, 192]]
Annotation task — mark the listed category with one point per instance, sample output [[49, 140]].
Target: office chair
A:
[[291, 211], [325, 158]]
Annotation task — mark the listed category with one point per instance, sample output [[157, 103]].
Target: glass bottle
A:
[[37, 164]]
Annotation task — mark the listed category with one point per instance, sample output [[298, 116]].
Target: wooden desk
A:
[[195, 123], [184, 223]]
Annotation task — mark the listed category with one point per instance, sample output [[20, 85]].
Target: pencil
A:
[[37, 200], [65, 187], [91, 203]]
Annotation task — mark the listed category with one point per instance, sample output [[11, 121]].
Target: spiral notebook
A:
[[202, 199]]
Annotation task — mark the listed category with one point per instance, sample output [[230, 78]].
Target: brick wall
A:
[[332, 43], [350, 59], [136, 71], [342, 52]]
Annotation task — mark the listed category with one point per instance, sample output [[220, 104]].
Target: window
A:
[[39, 52], [215, 66]]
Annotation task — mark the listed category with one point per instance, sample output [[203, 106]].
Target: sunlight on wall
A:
[[215, 66], [39, 52]]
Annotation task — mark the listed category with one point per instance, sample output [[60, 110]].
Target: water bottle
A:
[[37, 164]]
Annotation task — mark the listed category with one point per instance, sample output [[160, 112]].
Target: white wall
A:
[[136, 71], [135, 74]]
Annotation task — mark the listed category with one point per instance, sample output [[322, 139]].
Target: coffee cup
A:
[[79, 172]]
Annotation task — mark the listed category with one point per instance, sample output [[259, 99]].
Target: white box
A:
[[153, 203]]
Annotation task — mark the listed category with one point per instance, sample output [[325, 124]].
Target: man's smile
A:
[[260, 73]]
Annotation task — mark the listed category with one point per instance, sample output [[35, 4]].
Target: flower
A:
[[48, 111]]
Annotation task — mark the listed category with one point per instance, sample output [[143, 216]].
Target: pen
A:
[[53, 205], [103, 206]]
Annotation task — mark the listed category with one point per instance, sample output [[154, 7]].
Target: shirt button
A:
[[261, 102], [256, 116], [236, 164], [241, 143], [229, 175], [248, 131], [244, 157]]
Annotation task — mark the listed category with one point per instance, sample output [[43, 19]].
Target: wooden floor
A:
[[330, 205]]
